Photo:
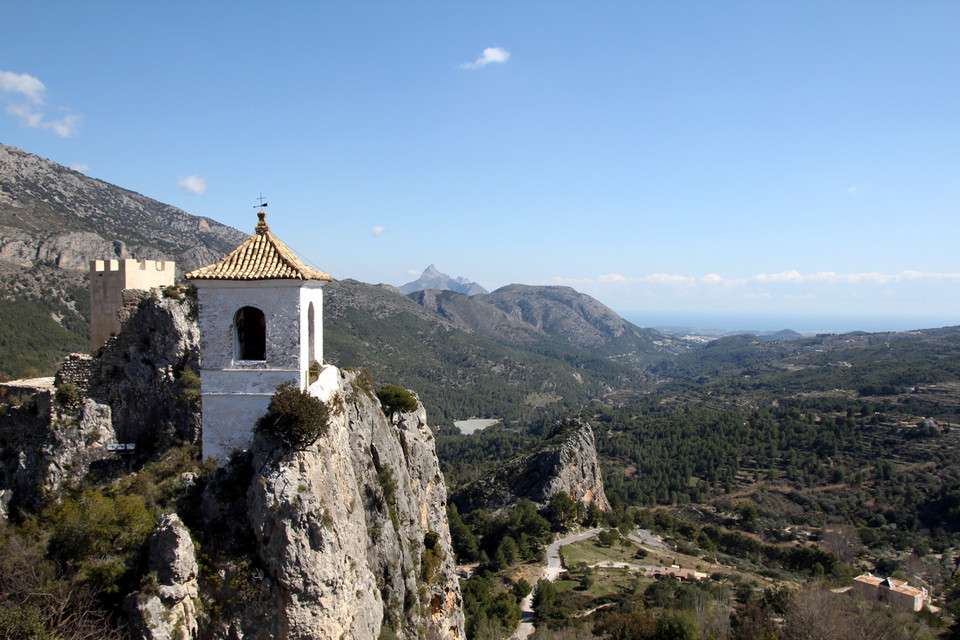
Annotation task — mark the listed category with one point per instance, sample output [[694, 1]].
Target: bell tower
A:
[[261, 324]]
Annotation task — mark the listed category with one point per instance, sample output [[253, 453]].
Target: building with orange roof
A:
[[261, 325], [896, 592]]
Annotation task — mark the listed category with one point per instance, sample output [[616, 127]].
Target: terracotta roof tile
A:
[[262, 257]]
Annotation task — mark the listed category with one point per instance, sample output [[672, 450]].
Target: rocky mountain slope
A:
[[55, 216], [53, 221], [431, 278], [458, 372], [566, 462], [523, 316]]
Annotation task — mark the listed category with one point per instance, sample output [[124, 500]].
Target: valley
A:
[[780, 466]]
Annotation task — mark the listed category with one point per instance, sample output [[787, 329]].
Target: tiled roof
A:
[[262, 257]]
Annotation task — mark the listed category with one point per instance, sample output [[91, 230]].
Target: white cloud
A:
[[22, 83], [66, 127], [82, 167], [853, 191], [790, 291], [24, 95], [668, 279], [378, 230], [490, 54], [29, 116], [613, 277], [194, 185]]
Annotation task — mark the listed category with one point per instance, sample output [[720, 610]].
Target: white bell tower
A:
[[261, 324]]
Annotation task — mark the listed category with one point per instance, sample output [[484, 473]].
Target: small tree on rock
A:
[[396, 399], [295, 417]]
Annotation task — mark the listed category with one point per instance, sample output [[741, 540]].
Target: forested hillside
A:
[[796, 462], [459, 374]]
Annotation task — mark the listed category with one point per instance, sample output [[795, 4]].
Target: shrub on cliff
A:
[[295, 417], [396, 399]]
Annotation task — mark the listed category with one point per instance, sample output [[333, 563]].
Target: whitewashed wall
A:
[[236, 393]]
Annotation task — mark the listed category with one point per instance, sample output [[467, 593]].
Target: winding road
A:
[[550, 572], [553, 569]]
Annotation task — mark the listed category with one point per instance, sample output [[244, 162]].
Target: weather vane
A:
[[262, 203]]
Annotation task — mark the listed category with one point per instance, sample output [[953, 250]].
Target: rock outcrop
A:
[[169, 610], [431, 278], [46, 443], [566, 462], [140, 389], [148, 373], [350, 533]]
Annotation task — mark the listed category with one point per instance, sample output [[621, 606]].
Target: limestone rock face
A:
[[306, 513], [134, 391], [350, 534], [44, 445], [567, 463], [140, 373], [171, 612], [409, 543]]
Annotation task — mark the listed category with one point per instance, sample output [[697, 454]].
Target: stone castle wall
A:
[[108, 280]]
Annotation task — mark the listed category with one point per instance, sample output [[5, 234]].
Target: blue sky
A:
[[673, 159]]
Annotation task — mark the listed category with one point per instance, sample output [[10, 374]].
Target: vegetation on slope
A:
[[795, 463], [44, 315]]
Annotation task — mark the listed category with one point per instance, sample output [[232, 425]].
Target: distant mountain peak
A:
[[432, 278]]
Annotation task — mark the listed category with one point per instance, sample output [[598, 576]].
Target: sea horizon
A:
[[807, 324]]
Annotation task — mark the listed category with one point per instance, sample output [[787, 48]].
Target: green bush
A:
[[396, 399], [68, 395], [99, 534], [173, 291], [295, 417], [190, 384]]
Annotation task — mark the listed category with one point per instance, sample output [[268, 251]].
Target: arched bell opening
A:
[[251, 334]]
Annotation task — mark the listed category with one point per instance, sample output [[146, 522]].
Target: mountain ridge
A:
[[431, 278], [53, 221]]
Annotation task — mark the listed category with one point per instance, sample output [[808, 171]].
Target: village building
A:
[[674, 571], [261, 325], [896, 592], [109, 279]]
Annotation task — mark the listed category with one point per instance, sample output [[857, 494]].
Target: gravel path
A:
[[550, 572]]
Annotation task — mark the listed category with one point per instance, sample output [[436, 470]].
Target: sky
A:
[[789, 163]]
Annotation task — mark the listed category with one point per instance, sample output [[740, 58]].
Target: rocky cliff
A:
[[349, 535], [346, 538], [566, 462], [140, 388]]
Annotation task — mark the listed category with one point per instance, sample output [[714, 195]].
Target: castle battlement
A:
[[129, 266]]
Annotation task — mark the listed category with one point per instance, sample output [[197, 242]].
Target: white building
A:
[[897, 592], [261, 324]]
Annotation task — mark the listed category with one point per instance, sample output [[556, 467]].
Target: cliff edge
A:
[[344, 538], [566, 462]]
